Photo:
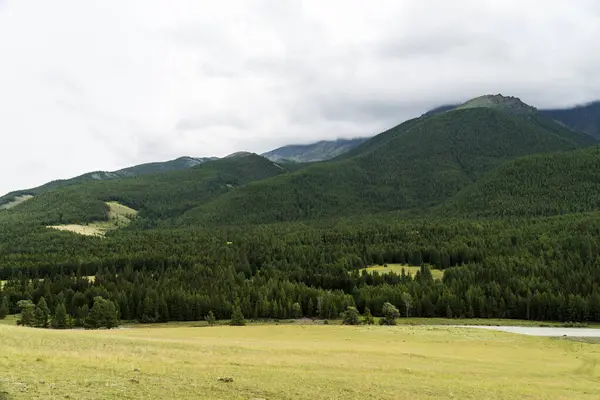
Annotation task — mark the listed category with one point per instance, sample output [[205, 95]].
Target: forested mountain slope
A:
[[585, 118], [137, 170], [418, 164], [541, 184], [156, 196]]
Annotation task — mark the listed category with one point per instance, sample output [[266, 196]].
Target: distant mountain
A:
[[585, 118], [137, 170], [418, 164], [319, 151]]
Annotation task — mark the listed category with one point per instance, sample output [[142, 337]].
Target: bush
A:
[[351, 316], [237, 318], [368, 318], [210, 318]]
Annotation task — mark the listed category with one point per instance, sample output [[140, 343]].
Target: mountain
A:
[[585, 118], [418, 164], [319, 151], [157, 196], [541, 184], [138, 170]]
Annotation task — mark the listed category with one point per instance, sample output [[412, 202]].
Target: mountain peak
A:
[[498, 101]]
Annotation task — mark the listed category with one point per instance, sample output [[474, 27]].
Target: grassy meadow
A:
[[118, 216], [408, 269], [293, 362]]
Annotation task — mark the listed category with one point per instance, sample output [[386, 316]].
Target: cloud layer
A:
[[104, 85]]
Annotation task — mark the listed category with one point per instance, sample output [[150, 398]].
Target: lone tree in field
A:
[[390, 313], [237, 318], [27, 313], [60, 320], [351, 316], [407, 300], [42, 314], [210, 318], [368, 317], [4, 307], [102, 315]]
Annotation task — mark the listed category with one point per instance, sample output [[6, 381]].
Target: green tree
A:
[[60, 320], [163, 310], [42, 313], [237, 318], [102, 315], [368, 317], [390, 313], [351, 316], [210, 318], [4, 307], [297, 310], [27, 313]]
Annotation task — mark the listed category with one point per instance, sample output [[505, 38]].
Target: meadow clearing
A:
[[408, 269], [119, 216], [293, 362]]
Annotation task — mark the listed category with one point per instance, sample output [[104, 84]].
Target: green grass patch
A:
[[408, 269]]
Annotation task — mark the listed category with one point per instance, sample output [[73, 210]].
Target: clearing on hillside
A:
[[16, 201], [119, 216], [294, 362], [408, 269]]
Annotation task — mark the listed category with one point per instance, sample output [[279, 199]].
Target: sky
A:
[[101, 85]]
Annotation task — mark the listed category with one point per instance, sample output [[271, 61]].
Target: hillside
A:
[[418, 164], [585, 118], [320, 151], [137, 170], [155, 196], [542, 184]]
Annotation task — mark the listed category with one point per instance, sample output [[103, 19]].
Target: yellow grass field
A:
[[118, 217], [294, 362], [409, 269]]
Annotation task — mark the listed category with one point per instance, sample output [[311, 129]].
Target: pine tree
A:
[[42, 313], [368, 317], [210, 318], [297, 310], [4, 307], [60, 317], [27, 313], [237, 318], [163, 310], [102, 315]]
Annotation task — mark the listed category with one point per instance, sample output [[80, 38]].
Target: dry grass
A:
[[118, 217], [408, 269], [17, 200], [294, 362]]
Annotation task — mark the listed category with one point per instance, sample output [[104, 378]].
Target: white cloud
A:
[[104, 85]]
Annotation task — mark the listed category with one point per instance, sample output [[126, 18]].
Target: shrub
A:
[[390, 313], [351, 316]]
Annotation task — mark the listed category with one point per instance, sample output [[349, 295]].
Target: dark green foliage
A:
[[407, 302], [323, 150], [416, 165], [351, 316], [368, 317], [42, 314], [27, 313], [60, 320], [210, 318], [389, 313], [585, 118], [4, 307], [548, 184], [102, 315], [237, 318]]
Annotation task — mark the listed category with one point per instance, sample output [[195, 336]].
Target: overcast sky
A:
[[100, 85]]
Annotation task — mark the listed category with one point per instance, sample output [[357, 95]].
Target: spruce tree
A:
[[368, 317], [60, 317], [42, 313], [210, 318], [4, 307], [237, 318], [163, 310], [27, 313]]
